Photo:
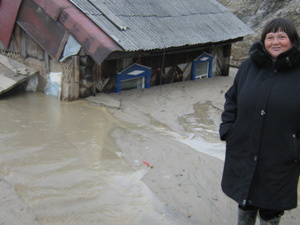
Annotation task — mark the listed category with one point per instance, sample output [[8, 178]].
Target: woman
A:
[[261, 127]]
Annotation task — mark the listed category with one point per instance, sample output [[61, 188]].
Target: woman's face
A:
[[276, 43]]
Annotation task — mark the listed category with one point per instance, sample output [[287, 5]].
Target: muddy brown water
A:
[[63, 163]]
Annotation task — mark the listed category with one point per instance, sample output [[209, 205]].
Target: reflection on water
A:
[[63, 163], [201, 132], [204, 136], [200, 122]]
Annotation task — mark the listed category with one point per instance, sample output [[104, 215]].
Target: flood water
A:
[[63, 162], [64, 165]]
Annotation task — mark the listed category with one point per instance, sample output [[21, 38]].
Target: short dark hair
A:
[[281, 24]]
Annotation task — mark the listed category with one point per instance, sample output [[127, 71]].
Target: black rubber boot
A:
[[274, 221], [247, 217]]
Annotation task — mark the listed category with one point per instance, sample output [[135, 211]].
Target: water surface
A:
[[63, 163]]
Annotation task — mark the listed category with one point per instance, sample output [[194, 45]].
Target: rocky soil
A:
[[255, 13]]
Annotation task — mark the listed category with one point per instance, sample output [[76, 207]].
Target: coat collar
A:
[[286, 60]]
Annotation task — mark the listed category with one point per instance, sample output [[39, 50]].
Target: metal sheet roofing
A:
[[91, 37], [156, 24]]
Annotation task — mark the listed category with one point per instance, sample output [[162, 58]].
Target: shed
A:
[[90, 42]]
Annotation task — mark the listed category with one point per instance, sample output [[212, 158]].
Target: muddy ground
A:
[[176, 130]]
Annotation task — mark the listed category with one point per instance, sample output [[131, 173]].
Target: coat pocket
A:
[[231, 131]]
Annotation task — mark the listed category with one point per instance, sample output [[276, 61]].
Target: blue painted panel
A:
[[203, 58], [133, 72]]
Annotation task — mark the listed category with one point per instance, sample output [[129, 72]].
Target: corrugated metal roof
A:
[[156, 24]]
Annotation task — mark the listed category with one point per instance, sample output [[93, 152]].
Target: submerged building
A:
[[114, 45]]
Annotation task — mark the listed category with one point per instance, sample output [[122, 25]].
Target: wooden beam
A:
[[76, 63]]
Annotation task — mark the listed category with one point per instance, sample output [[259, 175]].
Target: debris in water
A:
[[147, 164]]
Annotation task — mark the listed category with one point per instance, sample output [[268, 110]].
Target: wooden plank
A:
[[76, 64], [13, 73], [13, 65], [8, 13], [6, 82], [47, 62], [18, 42]]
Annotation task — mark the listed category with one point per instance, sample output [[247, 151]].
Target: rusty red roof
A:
[[51, 35], [8, 14]]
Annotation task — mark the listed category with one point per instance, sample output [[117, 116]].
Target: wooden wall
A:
[[25, 50], [166, 68]]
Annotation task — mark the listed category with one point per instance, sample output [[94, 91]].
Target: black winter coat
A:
[[261, 126]]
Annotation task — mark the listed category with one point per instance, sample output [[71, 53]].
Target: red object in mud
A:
[[147, 164]]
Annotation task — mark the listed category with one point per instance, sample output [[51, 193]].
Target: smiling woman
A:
[[261, 127], [279, 36], [277, 43]]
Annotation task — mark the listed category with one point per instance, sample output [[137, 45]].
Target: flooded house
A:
[[80, 48]]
